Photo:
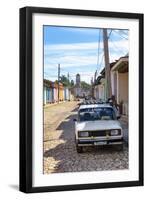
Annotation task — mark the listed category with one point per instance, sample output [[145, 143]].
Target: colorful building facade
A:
[[50, 92]]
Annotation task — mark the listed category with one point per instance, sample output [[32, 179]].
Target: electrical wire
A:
[[110, 34], [99, 47], [116, 47], [120, 35]]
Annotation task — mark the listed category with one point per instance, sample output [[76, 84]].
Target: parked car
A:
[[97, 124]]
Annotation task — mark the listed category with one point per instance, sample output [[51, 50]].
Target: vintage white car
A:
[[97, 124]]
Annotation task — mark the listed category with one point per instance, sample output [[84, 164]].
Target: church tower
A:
[[78, 81]]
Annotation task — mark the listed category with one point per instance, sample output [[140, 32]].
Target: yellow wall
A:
[[61, 94]]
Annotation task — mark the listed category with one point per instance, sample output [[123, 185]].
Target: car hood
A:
[[98, 125]]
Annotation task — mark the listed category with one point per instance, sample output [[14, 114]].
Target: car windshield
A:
[[92, 114]]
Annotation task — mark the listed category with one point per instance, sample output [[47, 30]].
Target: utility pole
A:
[[68, 95], [95, 76], [58, 81], [92, 87], [68, 76], [108, 91]]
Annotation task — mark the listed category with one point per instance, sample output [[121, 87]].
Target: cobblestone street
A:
[[60, 153]]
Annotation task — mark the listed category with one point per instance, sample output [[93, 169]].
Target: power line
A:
[[120, 35], [100, 64], [110, 34], [98, 46], [116, 47], [123, 31], [102, 58]]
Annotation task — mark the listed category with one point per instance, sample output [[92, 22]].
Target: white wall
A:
[[114, 82], [101, 92], [96, 92], [9, 113], [44, 93]]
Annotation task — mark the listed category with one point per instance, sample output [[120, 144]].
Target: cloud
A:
[[72, 46], [85, 31], [77, 56], [71, 61], [82, 46]]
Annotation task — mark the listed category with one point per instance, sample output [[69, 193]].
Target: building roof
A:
[[47, 83], [123, 59], [111, 65], [121, 65], [97, 82]]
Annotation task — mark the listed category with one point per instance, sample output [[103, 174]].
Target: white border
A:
[[84, 177]]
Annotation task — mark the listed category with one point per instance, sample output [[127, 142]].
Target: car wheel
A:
[[79, 149]]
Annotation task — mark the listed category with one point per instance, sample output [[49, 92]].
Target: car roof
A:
[[95, 106]]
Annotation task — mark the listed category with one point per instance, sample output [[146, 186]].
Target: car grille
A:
[[99, 133]]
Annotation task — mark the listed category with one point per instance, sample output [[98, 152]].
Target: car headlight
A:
[[114, 132], [83, 134]]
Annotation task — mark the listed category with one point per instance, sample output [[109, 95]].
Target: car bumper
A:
[[86, 142]]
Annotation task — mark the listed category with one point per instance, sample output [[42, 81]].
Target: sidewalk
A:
[[53, 104]]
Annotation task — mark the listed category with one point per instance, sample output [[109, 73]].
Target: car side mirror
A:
[[118, 117], [75, 120]]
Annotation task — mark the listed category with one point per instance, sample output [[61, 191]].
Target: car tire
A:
[[79, 149]]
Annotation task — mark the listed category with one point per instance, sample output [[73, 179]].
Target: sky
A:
[[80, 50]]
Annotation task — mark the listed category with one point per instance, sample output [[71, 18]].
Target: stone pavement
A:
[[60, 153]]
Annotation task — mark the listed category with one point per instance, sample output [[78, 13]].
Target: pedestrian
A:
[[115, 105]]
